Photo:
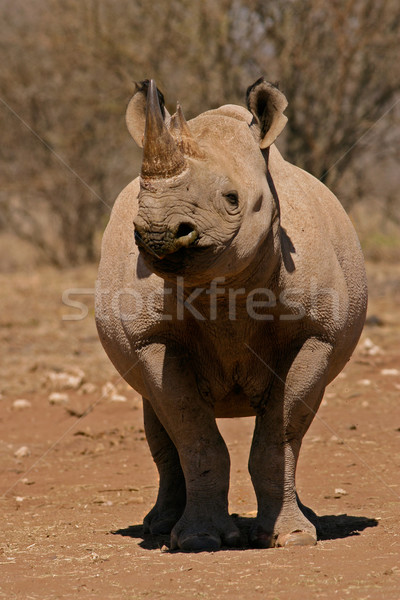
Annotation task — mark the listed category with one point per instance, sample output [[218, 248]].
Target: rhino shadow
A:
[[287, 249], [329, 527]]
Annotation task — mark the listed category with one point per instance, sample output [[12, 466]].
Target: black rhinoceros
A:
[[240, 290]]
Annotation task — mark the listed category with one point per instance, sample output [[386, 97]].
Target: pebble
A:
[[374, 321], [118, 398], [66, 380], [22, 452], [88, 388], [21, 404], [340, 492], [390, 372], [368, 347], [108, 390], [336, 439], [364, 382], [58, 398]]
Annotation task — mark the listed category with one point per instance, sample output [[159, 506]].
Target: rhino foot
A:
[[294, 529], [161, 521], [207, 537], [298, 537]]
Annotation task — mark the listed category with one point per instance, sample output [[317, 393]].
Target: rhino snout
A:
[[163, 240]]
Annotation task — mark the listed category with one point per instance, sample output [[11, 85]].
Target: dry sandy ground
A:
[[76, 476]]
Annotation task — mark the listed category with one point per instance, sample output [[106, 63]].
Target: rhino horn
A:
[[162, 158], [180, 130]]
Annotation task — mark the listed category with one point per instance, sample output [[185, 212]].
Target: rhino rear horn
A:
[[180, 130], [162, 158], [267, 104]]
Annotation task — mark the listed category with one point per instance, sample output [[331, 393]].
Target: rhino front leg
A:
[[205, 523], [190, 423], [171, 498], [282, 520]]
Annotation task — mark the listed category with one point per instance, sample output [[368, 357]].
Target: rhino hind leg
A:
[[171, 497], [282, 519]]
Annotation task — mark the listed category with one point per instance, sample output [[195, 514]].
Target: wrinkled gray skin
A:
[[300, 245]]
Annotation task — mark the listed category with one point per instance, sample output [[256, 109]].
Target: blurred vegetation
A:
[[67, 75]]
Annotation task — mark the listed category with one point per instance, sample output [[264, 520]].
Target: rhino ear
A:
[[267, 104], [136, 112]]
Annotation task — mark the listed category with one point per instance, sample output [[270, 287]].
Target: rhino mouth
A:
[[160, 245], [178, 261]]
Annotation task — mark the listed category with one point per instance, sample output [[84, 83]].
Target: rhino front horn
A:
[[162, 158]]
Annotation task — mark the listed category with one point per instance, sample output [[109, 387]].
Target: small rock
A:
[[368, 347], [336, 439], [58, 398], [374, 321], [22, 452], [66, 380], [164, 548], [340, 492], [21, 404], [88, 388], [118, 398], [135, 500], [108, 390], [390, 372], [364, 382], [19, 498]]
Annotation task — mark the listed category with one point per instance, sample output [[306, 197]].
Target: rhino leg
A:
[[205, 523], [190, 423], [171, 497], [282, 519]]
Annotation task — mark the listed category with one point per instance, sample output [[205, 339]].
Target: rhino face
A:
[[205, 206]]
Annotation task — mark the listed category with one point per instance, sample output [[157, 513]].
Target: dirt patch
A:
[[77, 477]]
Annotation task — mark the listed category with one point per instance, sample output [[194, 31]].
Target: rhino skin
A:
[[241, 292]]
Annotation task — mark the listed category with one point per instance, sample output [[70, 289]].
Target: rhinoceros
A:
[[231, 284]]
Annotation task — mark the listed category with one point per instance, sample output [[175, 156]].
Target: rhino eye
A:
[[232, 197]]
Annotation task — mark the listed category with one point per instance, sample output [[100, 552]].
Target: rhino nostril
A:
[[184, 229]]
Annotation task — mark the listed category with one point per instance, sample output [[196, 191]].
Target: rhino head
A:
[[205, 206]]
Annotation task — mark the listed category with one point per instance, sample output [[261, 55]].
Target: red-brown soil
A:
[[72, 502]]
